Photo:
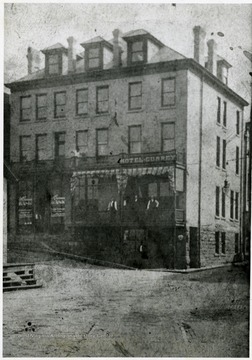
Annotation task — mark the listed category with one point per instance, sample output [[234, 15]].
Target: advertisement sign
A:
[[57, 206], [25, 210]]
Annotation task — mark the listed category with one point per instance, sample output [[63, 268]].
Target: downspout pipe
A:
[[200, 169]]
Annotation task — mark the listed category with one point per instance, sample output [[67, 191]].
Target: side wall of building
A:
[[212, 176]]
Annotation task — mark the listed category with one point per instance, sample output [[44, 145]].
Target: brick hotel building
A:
[[128, 117]]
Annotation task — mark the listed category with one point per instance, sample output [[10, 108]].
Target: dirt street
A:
[[88, 311]]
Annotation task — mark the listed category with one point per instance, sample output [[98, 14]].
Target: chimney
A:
[[34, 60], [71, 54], [212, 58], [199, 45], [116, 49]]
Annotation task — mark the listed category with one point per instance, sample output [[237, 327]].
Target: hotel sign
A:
[[144, 159]]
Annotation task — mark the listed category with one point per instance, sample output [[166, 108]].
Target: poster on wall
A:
[[25, 210], [57, 206]]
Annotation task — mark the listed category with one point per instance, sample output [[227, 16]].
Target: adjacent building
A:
[[127, 146]]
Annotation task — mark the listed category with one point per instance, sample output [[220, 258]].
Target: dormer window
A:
[[222, 70], [53, 64], [141, 46], [98, 53], [55, 59], [93, 58], [137, 53]]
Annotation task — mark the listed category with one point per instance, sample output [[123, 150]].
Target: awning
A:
[[137, 171], [123, 174]]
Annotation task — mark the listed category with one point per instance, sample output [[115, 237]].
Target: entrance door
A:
[[194, 248]]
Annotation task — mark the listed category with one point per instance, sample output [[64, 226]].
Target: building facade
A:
[[128, 152]]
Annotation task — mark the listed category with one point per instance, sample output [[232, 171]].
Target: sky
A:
[[41, 25]]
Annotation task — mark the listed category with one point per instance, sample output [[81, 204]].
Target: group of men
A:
[[134, 206]]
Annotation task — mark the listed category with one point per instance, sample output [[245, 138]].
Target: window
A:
[[218, 151], [137, 53], [223, 204], [25, 108], [236, 206], [223, 243], [219, 110], [217, 242], [41, 147], [224, 154], [93, 58], [59, 145], [152, 189], [236, 243], [82, 141], [135, 96], [41, 107], [231, 204], [237, 160], [237, 122], [168, 136], [25, 148], [134, 139], [102, 142], [224, 113], [102, 99], [168, 92], [82, 102], [60, 104], [217, 201], [53, 64]]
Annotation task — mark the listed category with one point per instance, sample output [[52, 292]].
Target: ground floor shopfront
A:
[[70, 211]]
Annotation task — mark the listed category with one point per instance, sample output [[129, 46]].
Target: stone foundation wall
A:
[[207, 249], [102, 244]]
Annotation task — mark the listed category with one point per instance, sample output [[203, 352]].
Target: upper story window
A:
[[236, 206], [237, 160], [218, 110], [137, 51], [41, 147], [82, 102], [237, 122], [82, 141], [135, 139], [102, 142], [41, 107], [53, 64], [141, 46], [224, 113], [223, 203], [217, 201], [25, 148], [102, 99], [59, 144], [231, 204], [168, 136], [93, 57], [168, 92], [25, 108], [224, 144], [60, 104], [55, 59], [218, 151], [135, 95]]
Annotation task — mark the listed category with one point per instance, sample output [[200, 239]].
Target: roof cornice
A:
[[136, 70]]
